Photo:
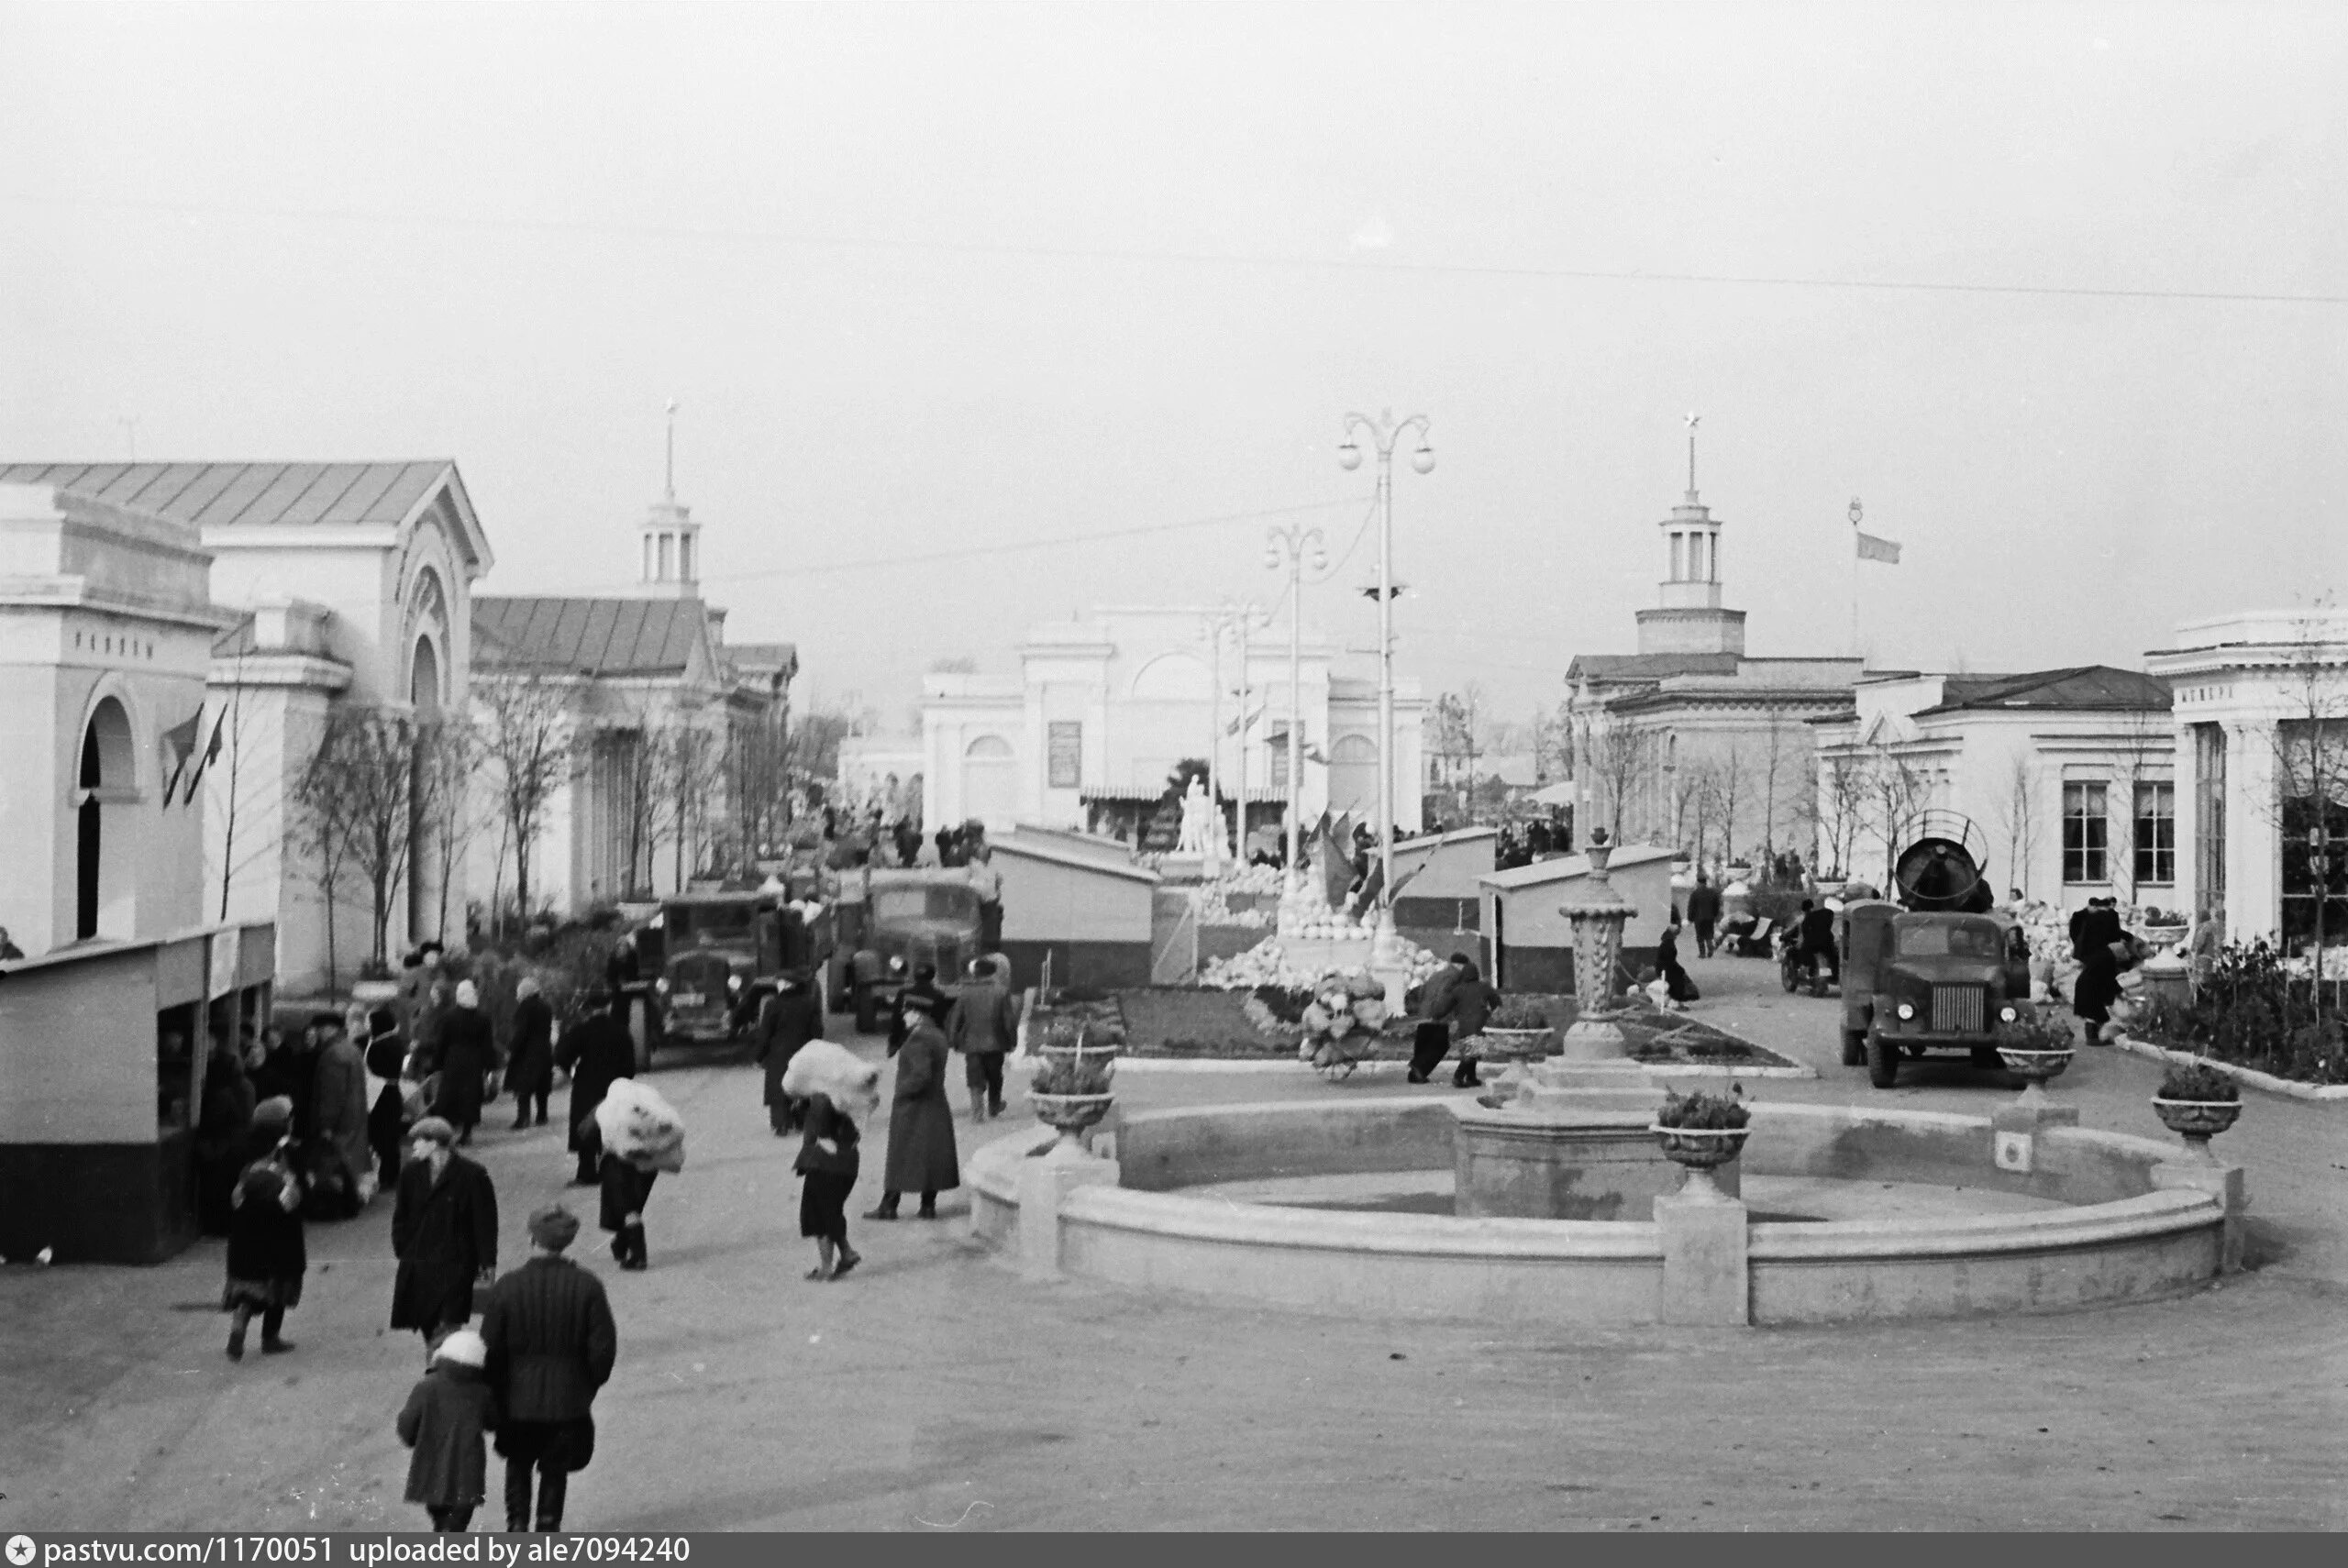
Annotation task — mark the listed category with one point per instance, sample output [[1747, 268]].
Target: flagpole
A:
[[1857, 513]]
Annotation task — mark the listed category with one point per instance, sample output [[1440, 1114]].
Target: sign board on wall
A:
[[1065, 742]]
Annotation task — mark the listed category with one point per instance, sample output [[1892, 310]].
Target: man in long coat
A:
[[595, 1051], [790, 1018], [444, 1232], [529, 1053], [921, 1121], [339, 1101], [467, 1054], [551, 1346]]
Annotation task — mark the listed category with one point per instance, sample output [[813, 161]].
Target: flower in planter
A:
[[2036, 1030], [1704, 1112], [1515, 1012], [2199, 1081]]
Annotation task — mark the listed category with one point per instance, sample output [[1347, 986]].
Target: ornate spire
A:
[[669, 489], [1692, 419]]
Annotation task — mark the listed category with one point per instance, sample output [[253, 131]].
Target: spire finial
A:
[[670, 487], [1692, 419]]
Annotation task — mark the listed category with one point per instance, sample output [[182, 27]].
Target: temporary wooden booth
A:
[[1528, 943], [102, 1061], [1440, 904], [1087, 908]]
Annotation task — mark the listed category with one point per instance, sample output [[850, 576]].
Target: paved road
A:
[[936, 1390]]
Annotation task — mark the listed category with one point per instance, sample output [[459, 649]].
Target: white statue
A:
[[1196, 817]]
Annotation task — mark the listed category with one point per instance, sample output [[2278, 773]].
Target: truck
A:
[[902, 920], [1933, 970], [714, 959]]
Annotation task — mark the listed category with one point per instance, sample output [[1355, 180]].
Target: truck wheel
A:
[[1855, 1047], [1787, 977], [1883, 1061]]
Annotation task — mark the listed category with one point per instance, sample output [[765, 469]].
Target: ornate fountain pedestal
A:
[[1575, 1142]]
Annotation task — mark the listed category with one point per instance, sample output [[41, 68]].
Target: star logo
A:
[[20, 1550]]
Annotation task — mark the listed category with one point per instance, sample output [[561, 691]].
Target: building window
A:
[[1679, 558], [2154, 845], [1066, 741], [685, 557], [2085, 834], [1277, 742]]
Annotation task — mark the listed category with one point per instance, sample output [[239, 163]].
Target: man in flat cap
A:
[[444, 1232], [551, 1346]]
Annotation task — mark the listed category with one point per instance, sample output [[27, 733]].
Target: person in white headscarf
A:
[[467, 1055]]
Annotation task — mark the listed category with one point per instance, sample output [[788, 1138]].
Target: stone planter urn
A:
[[1070, 1090], [2198, 1122], [2034, 1067], [1700, 1150], [1516, 1049]]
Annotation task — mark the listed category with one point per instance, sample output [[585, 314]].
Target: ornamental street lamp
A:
[[1384, 431], [1295, 547]]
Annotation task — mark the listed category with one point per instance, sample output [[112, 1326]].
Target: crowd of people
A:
[[289, 1136]]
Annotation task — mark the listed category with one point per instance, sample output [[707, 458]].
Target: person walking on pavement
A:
[[552, 1344], [597, 1053], [627, 1182], [339, 1148], [790, 1018], [840, 1091], [223, 1127], [468, 1056], [444, 1232], [924, 985], [983, 1025], [921, 1121], [267, 1252], [385, 1053], [1678, 989], [446, 1414], [1431, 1041], [529, 1053], [1465, 1004], [1704, 913]]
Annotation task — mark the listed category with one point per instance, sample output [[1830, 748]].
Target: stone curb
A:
[[2251, 1076], [1397, 1069]]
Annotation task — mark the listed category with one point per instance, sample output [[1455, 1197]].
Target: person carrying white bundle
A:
[[641, 1135], [841, 1092]]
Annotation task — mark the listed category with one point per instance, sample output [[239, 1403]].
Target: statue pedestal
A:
[[1183, 869]]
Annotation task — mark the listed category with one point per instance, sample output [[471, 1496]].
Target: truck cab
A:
[[716, 957]]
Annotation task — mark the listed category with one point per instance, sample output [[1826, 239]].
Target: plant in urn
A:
[[1517, 1035], [2197, 1102], [2035, 1048], [1702, 1131], [1071, 1089], [1597, 914]]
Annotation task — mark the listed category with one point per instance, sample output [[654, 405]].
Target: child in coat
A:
[[267, 1253], [448, 1411]]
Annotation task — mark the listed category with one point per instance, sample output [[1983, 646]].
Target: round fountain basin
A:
[[1848, 1213]]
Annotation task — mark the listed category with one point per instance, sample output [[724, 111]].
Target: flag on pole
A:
[[1870, 547], [180, 741]]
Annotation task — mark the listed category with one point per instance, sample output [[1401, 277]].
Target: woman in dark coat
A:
[[791, 1016], [444, 1232], [2098, 985], [221, 1131], [828, 1159], [921, 1119], [596, 1052], [1677, 984], [267, 1255], [468, 1053], [386, 1053], [529, 1054]]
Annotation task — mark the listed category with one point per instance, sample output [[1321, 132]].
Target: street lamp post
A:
[[1294, 545], [1384, 431]]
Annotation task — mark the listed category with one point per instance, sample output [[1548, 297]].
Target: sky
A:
[[977, 316]]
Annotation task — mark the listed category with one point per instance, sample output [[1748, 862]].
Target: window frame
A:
[[2152, 841], [2087, 834]]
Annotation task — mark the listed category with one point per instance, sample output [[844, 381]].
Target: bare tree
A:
[[757, 785], [236, 756], [527, 738], [363, 775], [1837, 810], [695, 770], [1896, 793], [2310, 805], [2017, 812], [2142, 746], [326, 821], [641, 776], [1773, 748], [451, 753], [1729, 781], [1622, 759]]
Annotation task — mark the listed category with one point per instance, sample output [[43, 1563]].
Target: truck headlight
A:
[[733, 982], [662, 984], [2005, 1015], [1907, 1010]]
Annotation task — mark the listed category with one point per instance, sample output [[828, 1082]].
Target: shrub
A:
[[1285, 1004], [2199, 1080], [1068, 1072], [1704, 1112], [2252, 1012], [2034, 1029]]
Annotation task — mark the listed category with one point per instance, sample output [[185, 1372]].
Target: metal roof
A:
[[219, 495], [588, 637], [2086, 686]]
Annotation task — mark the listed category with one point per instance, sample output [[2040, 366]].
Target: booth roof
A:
[[1567, 866], [1073, 858]]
